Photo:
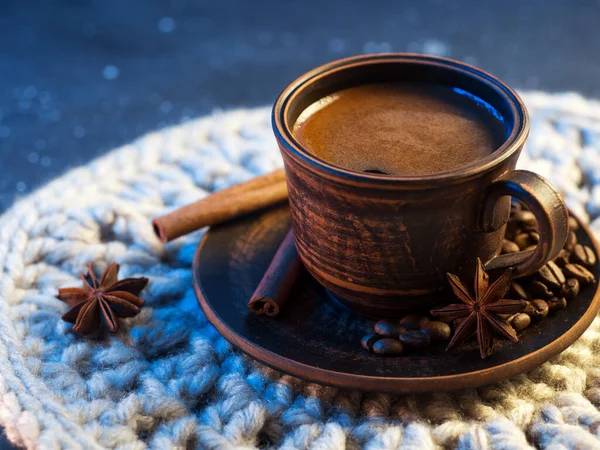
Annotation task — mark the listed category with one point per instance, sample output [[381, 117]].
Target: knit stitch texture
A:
[[167, 379]]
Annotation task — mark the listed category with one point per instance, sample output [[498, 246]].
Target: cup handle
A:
[[545, 203]]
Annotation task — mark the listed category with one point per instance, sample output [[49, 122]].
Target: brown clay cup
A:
[[383, 244]]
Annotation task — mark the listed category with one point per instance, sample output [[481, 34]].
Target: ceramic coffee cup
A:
[[383, 244]]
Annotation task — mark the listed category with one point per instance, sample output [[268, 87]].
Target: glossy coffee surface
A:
[[400, 129]]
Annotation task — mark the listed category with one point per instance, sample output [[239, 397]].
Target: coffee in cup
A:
[[400, 128]]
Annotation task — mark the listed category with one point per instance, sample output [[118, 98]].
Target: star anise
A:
[[481, 311], [102, 303]]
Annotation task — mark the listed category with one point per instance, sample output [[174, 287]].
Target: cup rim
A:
[[513, 142]]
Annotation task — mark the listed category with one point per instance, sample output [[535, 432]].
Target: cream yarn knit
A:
[[169, 380]]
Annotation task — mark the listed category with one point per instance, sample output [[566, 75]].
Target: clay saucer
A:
[[318, 339]]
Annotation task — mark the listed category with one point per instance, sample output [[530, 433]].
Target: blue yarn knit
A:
[[167, 379]]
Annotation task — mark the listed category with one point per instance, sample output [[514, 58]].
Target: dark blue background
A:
[[79, 77], [183, 58]]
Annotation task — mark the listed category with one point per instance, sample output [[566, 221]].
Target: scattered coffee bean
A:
[[512, 229], [580, 273], [539, 289], [388, 346], [562, 259], [437, 331], [388, 329], [529, 229], [537, 309], [509, 247], [571, 241], [573, 224], [570, 289], [523, 241], [414, 339], [559, 276], [447, 320], [525, 218], [520, 321], [556, 303], [583, 255], [456, 323], [368, 341], [551, 275], [423, 321], [558, 273], [411, 322], [551, 288], [517, 292]]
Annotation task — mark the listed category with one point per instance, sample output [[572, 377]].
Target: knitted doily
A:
[[167, 379]]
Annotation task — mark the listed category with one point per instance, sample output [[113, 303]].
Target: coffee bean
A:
[[558, 273], [456, 323], [509, 247], [531, 247], [562, 259], [536, 309], [523, 240], [517, 291], [539, 289], [388, 329], [529, 229], [411, 321], [423, 321], [556, 303], [414, 339], [573, 224], [570, 289], [551, 275], [534, 237], [571, 241], [437, 331], [447, 320], [368, 341], [580, 273], [388, 346], [583, 255], [512, 229], [525, 218], [520, 321]]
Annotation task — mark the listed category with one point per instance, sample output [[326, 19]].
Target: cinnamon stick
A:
[[222, 206], [277, 282]]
